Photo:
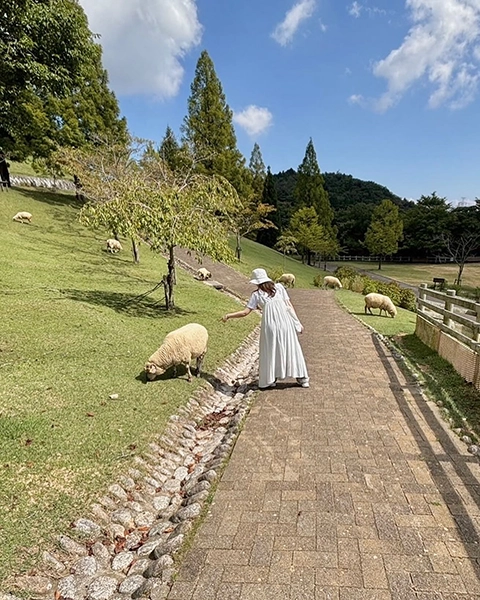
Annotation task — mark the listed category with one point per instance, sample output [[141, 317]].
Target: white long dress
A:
[[281, 355]]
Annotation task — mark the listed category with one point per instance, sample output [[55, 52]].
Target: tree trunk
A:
[[135, 252], [238, 249], [379, 263], [169, 280], [458, 281]]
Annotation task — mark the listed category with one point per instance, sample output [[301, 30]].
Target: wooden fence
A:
[[450, 325]]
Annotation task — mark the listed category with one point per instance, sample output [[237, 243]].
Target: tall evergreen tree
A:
[[256, 167], [208, 127], [309, 188], [169, 149], [268, 237]]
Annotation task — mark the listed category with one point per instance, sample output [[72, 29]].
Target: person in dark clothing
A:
[[4, 173]]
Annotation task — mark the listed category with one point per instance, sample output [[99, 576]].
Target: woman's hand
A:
[[224, 318]]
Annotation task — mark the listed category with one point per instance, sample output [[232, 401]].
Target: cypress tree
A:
[[256, 167], [309, 189], [208, 127]]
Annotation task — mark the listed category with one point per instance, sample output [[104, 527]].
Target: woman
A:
[[280, 351]]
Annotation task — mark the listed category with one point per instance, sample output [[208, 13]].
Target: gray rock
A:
[[102, 588], [156, 567], [87, 527], [52, 562], [139, 566], [67, 588], [86, 566], [123, 516], [189, 512], [172, 486], [148, 547], [131, 584], [122, 561], [71, 546], [161, 502], [117, 491], [181, 473], [198, 487], [101, 553]]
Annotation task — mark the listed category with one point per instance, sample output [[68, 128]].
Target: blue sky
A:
[[387, 89]]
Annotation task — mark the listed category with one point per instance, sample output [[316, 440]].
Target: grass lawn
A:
[[416, 274], [21, 168], [255, 255], [70, 336]]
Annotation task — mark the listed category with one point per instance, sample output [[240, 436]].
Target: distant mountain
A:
[[352, 199], [343, 190]]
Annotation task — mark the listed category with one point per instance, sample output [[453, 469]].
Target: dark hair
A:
[[268, 287]]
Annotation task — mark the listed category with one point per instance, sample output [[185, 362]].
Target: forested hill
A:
[[343, 190]]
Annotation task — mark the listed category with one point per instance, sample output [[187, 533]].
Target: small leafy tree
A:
[[252, 216], [286, 244], [385, 230], [147, 201], [306, 229]]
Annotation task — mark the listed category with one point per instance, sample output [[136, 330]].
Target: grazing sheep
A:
[[332, 282], [203, 274], [179, 348], [23, 217], [113, 246], [380, 301], [288, 279]]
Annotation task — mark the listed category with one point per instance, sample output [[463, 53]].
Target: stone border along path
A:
[[128, 550]]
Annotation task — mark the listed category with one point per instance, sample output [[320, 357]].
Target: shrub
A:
[[392, 290], [357, 284], [318, 280], [408, 300], [370, 286]]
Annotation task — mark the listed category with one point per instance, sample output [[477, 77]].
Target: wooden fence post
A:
[[448, 306], [422, 294]]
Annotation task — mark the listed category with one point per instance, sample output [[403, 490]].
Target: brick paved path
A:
[[353, 489]]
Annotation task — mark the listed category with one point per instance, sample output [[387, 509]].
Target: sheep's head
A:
[[392, 312], [152, 370]]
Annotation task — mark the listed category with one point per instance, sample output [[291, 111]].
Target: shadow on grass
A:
[[127, 304], [54, 198]]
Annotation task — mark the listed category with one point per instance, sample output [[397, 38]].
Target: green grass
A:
[[22, 168], [460, 400], [255, 255], [416, 274], [402, 324], [71, 335]]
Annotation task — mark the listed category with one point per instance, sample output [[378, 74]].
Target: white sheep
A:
[[23, 217], [384, 303], [179, 348], [288, 279], [332, 282], [203, 274], [113, 246]]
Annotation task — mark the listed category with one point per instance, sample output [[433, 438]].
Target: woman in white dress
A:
[[281, 355]]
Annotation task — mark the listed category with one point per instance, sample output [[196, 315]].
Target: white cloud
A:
[[441, 48], [323, 27], [144, 42], [253, 119], [300, 12], [357, 99], [355, 9]]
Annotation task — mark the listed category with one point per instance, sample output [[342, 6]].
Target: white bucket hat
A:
[[259, 276]]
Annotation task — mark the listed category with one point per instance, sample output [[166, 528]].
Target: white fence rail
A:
[[452, 314]]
